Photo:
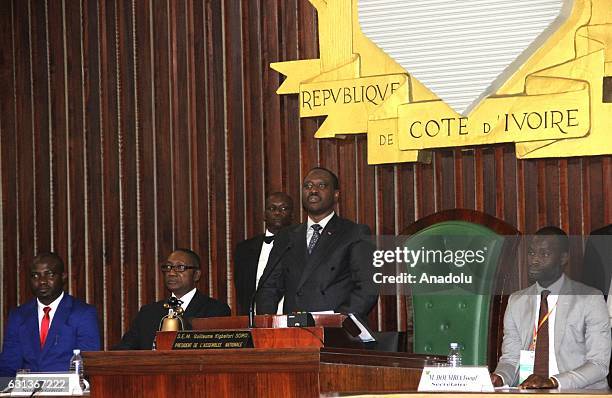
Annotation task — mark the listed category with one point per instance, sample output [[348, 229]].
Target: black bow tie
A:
[[269, 239]]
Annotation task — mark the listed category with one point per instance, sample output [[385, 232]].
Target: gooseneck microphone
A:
[[262, 281]]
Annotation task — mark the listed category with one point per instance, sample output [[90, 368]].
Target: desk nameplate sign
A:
[[452, 379], [212, 339]]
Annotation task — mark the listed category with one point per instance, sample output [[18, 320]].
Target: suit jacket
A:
[[246, 259], [597, 261], [336, 276], [74, 325], [582, 335], [141, 334]]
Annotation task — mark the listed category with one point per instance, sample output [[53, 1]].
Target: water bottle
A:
[[76, 365], [454, 355]]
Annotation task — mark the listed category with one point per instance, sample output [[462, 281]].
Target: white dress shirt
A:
[[322, 223], [53, 305], [264, 254], [552, 299], [186, 299], [266, 248]]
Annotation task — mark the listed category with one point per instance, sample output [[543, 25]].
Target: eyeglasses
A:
[[309, 185], [282, 209], [175, 267]]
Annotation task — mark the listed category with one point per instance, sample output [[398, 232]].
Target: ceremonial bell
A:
[[173, 322]]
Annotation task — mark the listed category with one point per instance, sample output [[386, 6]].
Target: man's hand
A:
[[535, 381], [496, 380]]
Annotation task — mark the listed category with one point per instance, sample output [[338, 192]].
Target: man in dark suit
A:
[[597, 269], [42, 333], [323, 264], [181, 272], [252, 254]]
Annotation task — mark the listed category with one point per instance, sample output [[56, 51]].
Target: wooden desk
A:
[[505, 394], [257, 372]]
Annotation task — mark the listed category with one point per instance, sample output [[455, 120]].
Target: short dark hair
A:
[[283, 195], [50, 257], [195, 259], [333, 176], [559, 236]]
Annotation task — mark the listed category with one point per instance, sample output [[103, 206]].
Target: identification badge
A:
[[526, 362]]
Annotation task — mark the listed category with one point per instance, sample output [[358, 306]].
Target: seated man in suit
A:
[[323, 264], [597, 269], [41, 334], [252, 254], [181, 272], [557, 324]]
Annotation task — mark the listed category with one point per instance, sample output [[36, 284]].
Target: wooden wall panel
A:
[[131, 127], [24, 143], [41, 111], [8, 155]]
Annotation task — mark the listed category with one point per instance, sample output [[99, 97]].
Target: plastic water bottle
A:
[[76, 365], [454, 355]]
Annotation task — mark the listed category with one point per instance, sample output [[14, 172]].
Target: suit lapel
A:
[[530, 316], [31, 329], [329, 236], [255, 251], [563, 303], [296, 238], [61, 316], [194, 306], [299, 248]]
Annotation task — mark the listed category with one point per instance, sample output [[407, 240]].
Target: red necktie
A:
[[44, 326], [541, 352]]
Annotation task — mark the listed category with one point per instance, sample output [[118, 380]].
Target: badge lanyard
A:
[[535, 331]]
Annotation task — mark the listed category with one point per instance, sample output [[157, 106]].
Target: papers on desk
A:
[[365, 335], [505, 388]]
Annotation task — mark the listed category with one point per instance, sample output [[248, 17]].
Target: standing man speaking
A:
[[323, 264]]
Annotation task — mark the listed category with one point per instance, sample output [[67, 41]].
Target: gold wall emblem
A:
[[552, 106]]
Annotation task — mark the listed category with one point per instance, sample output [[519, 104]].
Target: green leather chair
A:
[[448, 313]]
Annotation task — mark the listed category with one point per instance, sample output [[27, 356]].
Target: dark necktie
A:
[[315, 237], [540, 366], [44, 326], [269, 239]]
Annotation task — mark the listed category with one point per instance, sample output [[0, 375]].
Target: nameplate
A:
[[449, 379], [212, 339]]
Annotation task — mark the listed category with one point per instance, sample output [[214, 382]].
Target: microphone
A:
[[39, 386], [262, 281]]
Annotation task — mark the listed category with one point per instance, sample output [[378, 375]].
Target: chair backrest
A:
[[469, 314]]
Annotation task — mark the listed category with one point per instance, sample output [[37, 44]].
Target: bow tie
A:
[[269, 239]]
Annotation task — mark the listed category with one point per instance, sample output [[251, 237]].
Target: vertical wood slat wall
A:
[[130, 127]]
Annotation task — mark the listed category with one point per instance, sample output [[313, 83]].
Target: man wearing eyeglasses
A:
[[181, 272], [251, 255], [324, 264]]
